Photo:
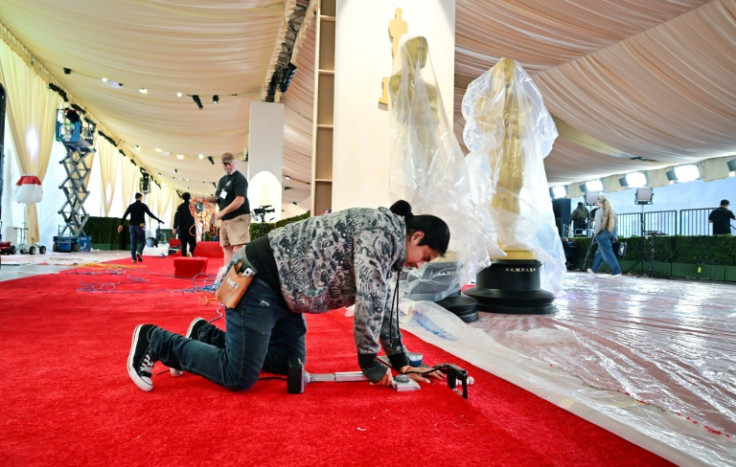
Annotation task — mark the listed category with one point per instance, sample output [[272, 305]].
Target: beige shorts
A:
[[235, 231]]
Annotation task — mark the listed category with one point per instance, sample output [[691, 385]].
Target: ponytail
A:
[[436, 231]]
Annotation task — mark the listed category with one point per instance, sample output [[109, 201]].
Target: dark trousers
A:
[[137, 239], [189, 241], [262, 334]]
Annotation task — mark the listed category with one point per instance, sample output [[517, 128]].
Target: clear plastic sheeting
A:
[[651, 360], [428, 167], [509, 132]]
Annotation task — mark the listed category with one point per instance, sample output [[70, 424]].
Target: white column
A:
[[265, 156], [363, 57]]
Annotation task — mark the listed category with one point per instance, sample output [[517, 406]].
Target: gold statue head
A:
[[416, 52]]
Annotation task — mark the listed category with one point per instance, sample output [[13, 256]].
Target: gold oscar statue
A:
[[511, 284]]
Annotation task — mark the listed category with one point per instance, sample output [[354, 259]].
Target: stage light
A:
[[635, 179], [67, 71], [592, 185], [557, 192], [196, 100], [215, 99], [683, 173], [212, 161], [644, 195], [732, 165]]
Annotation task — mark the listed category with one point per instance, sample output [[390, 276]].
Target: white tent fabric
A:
[[636, 79]]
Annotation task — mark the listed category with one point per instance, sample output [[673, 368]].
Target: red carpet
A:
[[67, 398]]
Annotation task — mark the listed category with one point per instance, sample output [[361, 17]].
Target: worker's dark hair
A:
[[436, 231], [138, 195], [724, 202]]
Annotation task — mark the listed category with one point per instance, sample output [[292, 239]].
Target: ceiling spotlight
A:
[[201, 156], [216, 99], [137, 147], [104, 79], [180, 156], [212, 161], [558, 192], [158, 149], [176, 171], [67, 71], [143, 91], [178, 94], [287, 177], [196, 100]]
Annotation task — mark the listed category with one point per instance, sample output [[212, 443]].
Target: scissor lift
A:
[[77, 135]]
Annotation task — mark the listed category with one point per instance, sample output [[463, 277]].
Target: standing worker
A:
[[137, 229], [232, 199], [721, 219]]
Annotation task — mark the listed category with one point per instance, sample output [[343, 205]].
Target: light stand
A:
[[643, 197], [260, 216]]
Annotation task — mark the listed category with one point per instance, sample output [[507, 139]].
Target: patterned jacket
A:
[[344, 258]]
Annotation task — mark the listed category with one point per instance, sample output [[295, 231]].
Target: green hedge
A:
[[257, 228], [104, 233], [672, 252]]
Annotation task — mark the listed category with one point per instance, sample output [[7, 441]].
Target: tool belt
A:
[[234, 285]]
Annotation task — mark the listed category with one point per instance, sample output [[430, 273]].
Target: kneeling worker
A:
[[312, 266]]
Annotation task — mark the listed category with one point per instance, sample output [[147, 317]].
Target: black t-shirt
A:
[[232, 185], [137, 212], [721, 219], [260, 255], [183, 218]]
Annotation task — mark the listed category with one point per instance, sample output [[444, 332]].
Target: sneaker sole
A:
[[137, 379], [174, 372]]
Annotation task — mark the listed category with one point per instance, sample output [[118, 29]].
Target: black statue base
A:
[[512, 287], [462, 306]]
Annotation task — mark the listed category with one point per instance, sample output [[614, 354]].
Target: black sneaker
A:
[[139, 257], [192, 333], [140, 363]]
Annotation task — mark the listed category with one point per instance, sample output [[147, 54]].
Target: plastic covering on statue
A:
[[428, 169], [509, 132]]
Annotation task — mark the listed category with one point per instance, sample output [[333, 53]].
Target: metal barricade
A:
[[695, 222], [630, 223]]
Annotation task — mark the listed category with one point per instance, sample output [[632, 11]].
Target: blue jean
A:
[[137, 236], [262, 334], [605, 252]]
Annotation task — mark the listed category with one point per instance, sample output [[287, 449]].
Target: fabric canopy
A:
[[632, 84]]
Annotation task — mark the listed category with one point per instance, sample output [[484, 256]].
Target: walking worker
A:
[[184, 226], [605, 235], [137, 229], [311, 266]]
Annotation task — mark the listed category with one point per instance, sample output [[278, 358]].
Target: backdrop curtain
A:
[[31, 111], [128, 179], [109, 163]]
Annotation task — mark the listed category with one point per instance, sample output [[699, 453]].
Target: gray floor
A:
[[18, 266]]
